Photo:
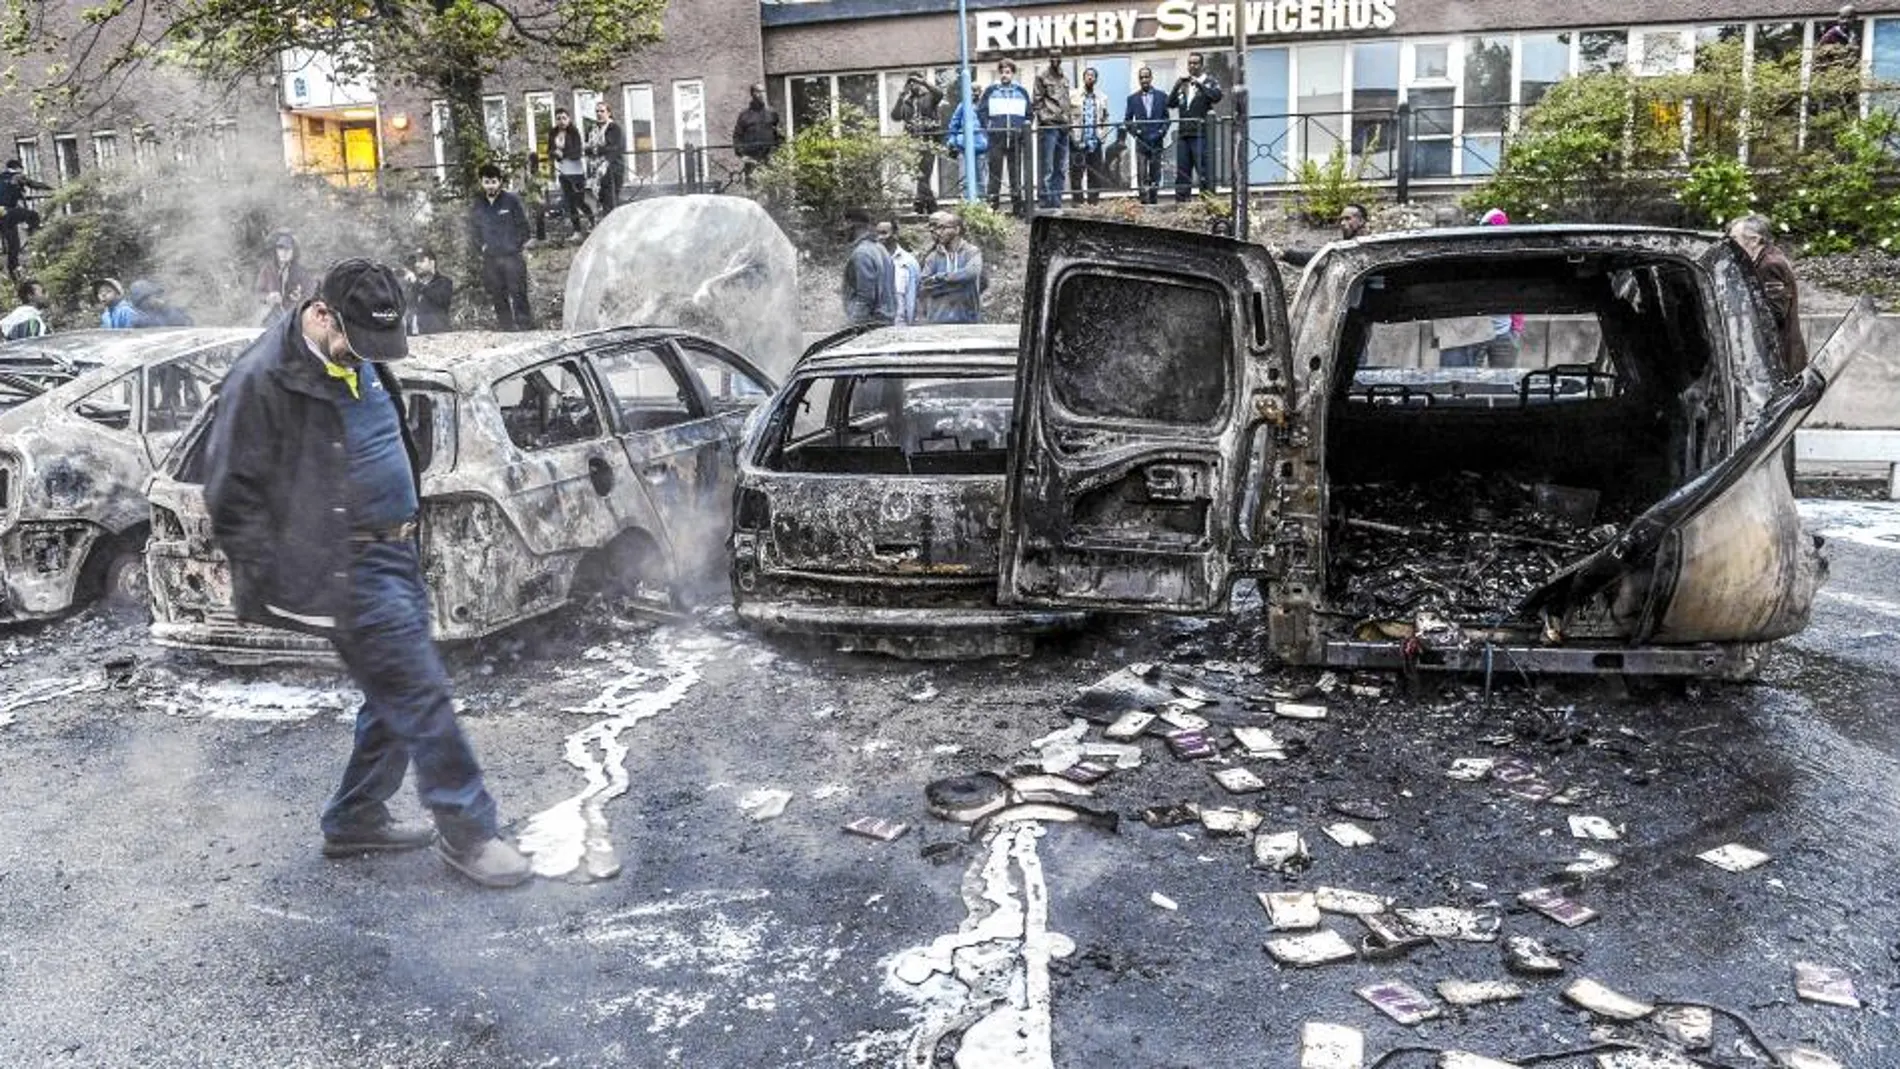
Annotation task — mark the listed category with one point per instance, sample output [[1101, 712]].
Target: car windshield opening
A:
[[895, 424], [1501, 418]]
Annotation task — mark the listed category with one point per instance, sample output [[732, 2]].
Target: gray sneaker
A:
[[491, 862], [377, 838]]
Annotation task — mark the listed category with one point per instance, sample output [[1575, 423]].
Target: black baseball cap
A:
[[368, 298]]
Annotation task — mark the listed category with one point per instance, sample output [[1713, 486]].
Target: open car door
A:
[[1148, 358], [1723, 558]]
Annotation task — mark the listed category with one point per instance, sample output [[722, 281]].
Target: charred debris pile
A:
[[1465, 546]]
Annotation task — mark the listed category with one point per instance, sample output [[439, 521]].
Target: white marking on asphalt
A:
[[305, 918], [990, 979], [45, 690], [572, 837], [1866, 523], [1878, 606]]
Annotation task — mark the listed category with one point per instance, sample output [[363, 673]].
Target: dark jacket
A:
[[13, 187], [917, 107], [566, 145], [1777, 280], [612, 154], [500, 227], [1192, 112], [147, 299], [429, 303], [1153, 130], [756, 133], [275, 483], [870, 284]]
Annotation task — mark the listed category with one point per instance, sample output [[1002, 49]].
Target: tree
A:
[[446, 47]]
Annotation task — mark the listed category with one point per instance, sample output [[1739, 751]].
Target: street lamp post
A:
[[968, 133], [1239, 153]]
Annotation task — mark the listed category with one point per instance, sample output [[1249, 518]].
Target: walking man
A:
[[14, 212], [1195, 94], [756, 134], [1052, 130], [905, 269], [498, 226], [1004, 113], [607, 146], [570, 171], [1087, 146], [1146, 116], [950, 287], [870, 278], [916, 108], [312, 489]]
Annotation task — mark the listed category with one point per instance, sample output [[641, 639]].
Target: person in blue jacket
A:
[[953, 138], [1004, 111], [115, 312]]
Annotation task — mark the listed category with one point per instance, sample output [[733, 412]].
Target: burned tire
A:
[[114, 575], [629, 567]]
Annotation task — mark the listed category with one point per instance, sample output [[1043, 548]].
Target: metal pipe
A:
[[969, 106], [1239, 153]]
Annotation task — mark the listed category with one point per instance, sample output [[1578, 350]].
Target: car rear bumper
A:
[[1728, 660]]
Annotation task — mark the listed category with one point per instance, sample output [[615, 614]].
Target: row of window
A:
[[636, 115], [142, 144], [1466, 93]]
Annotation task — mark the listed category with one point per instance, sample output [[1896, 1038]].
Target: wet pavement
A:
[[162, 901]]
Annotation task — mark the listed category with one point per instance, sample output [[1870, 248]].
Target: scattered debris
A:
[[877, 828], [1353, 903], [1363, 808], [1462, 1059], [1591, 863], [1085, 772], [1603, 1002], [1644, 1058], [1583, 826], [1825, 984], [967, 799], [1400, 1001], [1331, 1046], [1227, 821], [1280, 850], [1190, 744], [1318, 948], [1552, 903], [924, 692], [1478, 992], [1689, 1027], [1290, 911], [1171, 816], [1299, 711], [1470, 769], [765, 803], [1129, 725], [1239, 781], [1122, 754], [1448, 922], [1807, 1058], [1523, 954], [1734, 857], [1163, 901], [1049, 813], [1388, 938], [1259, 742], [1177, 714], [1348, 834]]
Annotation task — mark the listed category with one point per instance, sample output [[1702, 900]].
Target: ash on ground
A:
[[1467, 546]]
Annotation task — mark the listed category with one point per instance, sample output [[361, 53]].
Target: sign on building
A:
[[1175, 21]]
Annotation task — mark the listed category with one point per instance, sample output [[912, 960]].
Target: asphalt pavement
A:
[[163, 902]]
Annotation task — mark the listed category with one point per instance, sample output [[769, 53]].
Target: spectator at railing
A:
[[1194, 96], [1004, 111], [1146, 116], [756, 134], [961, 119], [1086, 145], [1052, 130], [916, 108]]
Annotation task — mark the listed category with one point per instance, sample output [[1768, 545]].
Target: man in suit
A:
[[1146, 116], [1195, 94]]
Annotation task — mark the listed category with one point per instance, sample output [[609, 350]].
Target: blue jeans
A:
[[1053, 147], [408, 712], [1190, 160]]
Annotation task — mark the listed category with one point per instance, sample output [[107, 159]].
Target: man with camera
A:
[[1193, 99]]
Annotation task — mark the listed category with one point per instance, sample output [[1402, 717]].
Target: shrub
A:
[[1323, 190], [823, 172], [1844, 195], [1717, 190], [1581, 155]]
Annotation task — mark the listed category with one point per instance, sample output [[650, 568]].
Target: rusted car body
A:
[[870, 497], [1176, 430], [83, 419], [552, 466]]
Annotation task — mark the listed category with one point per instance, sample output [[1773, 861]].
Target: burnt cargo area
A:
[[1491, 421]]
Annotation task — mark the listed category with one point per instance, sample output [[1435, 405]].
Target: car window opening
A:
[[1505, 417], [895, 425]]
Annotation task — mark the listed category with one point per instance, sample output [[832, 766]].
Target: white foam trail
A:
[[574, 832], [230, 699], [45, 690], [989, 979]]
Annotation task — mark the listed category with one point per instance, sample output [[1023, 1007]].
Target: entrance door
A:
[[1148, 358]]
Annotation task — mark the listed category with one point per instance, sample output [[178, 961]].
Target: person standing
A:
[[431, 296], [151, 309], [115, 312], [15, 213], [757, 134], [1086, 145], [607, 147], [905, 270], [1146, 116], [1195, 94], [1755, 235], [1352, 225], [962, 117], [1052, 130], [282, 281], [498, 228], [569, 155], [313, 493], [870, 278], [916, 108], [1843, 33], [29, 319], [950, 282], [1004, 113]]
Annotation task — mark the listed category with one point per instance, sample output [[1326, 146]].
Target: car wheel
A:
[[630, 568]]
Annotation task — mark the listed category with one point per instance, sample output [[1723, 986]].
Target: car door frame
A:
[[1049, 558]]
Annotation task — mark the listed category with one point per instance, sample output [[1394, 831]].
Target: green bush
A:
[[1323, 190], [984, 225], [1582, 154], [823, 172], [1844, 197], [1717, 190]]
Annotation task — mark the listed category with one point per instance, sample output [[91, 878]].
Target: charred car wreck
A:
[[83, 419], [551, 467], [1616, 503]]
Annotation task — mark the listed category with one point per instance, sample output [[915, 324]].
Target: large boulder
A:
[[718, 266]]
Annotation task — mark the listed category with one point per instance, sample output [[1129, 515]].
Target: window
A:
[[439, 123], [811, 411], [27, 151], [113, 405], [860, 91], [177, 389], [893, 424], [105, 149], [1886, 62], [144, 147], [636, 117], [1432, 96], [1602, 50], [548, 406], [431, 425], [1108, 362], [1656, 52], [1543, 61], [1375, 97], [1321, 99], [729, 389], [584, 101], [1487, 103], [645, 389], [1777, 41], [66, 156], [495, 122], [538, 113], [811, 101]]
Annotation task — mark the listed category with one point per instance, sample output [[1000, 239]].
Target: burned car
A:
[[83, 419], [1611, 497], [551, 466], [870, 497]]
